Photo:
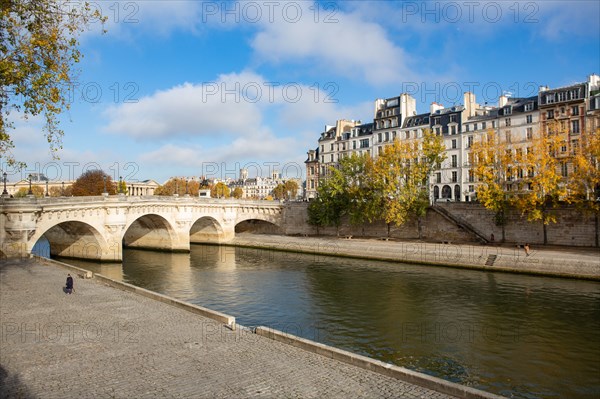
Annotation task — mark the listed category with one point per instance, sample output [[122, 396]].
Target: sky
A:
[[191, 88]]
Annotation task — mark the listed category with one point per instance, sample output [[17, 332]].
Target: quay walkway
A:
[[570, 262], [104, 342]]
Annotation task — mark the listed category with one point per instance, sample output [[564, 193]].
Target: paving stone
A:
[[102, 342]]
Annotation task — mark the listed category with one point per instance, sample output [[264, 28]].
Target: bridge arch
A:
[[150, 231], [207, 230], [74, 239]]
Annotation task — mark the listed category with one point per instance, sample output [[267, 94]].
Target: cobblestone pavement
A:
[[101, 342]]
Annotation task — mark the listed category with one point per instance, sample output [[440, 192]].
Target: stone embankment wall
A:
[[573, 228]]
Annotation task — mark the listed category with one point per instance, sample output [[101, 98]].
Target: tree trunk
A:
[[503, 227], [596, 229], [388, 230], [545, 232], [419, 227]]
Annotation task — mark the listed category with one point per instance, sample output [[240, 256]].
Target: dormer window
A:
[[507, 111], [528, 107]]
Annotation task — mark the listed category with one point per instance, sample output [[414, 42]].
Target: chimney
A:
[[469, 103], [543, 88], [435, 107], [502, 101], [408, 107]]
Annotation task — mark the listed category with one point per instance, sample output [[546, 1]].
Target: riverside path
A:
[[103, 342]]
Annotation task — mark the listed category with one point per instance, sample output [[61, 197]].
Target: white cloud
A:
[[352, 46], [211, 108]]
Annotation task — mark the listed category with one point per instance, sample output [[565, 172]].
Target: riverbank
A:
[[107, 342], [567, 262]]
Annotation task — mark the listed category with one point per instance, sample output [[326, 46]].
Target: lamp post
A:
[[62, 193], [47, 192], [4, 192], [120, 180], [30, 192]]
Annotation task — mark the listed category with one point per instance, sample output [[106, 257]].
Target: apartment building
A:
[[575, 109]]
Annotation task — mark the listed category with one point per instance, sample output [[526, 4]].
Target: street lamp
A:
[[30, 192], [62, 193], [120, 179], [47, 192], [4, 178]]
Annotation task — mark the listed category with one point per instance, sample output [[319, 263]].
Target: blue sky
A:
[[185, 88]]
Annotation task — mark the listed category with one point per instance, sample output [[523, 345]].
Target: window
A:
[[454, 177], [562, 96], [407, 135], [471, 188], [508, 135], [483, 125], [574, 94], [574, 126], [575, 146], [452, 118], [331, 147], [493, 124], [331, 157], [387, 136], [550, 114], [453, 129], [379, 137], [454, 143], [575, 110], [469, 141], [564, 169], [528, 107], [529, 118], [550, 98], [529, 133], [454, 161], [563, 147], [507, 111], [438, 177], [438, 131], [475, 126], [507, 121], [436, 121], [364, 143], [467, 128]]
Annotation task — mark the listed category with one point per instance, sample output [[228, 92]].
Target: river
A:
[[514, 335]]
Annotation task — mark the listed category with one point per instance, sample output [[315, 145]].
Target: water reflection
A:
[[519, 336]]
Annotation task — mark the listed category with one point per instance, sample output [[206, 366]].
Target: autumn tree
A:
[[177, 185], [543, 185], [583, 186], [237, 193], [38, 53], [291, 188], [279, 192], [493, 164], [93, 182], [37, 191], [401, 176], [219, 190], [347, 191]]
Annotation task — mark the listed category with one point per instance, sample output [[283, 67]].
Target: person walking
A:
[[69, 288], [526, 248]]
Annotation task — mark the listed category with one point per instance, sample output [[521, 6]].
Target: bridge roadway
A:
[[103, 342], [98, 227]]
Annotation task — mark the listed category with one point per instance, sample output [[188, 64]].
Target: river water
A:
[[514, 335]]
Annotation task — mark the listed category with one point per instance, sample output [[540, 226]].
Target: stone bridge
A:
[[99, 227]]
